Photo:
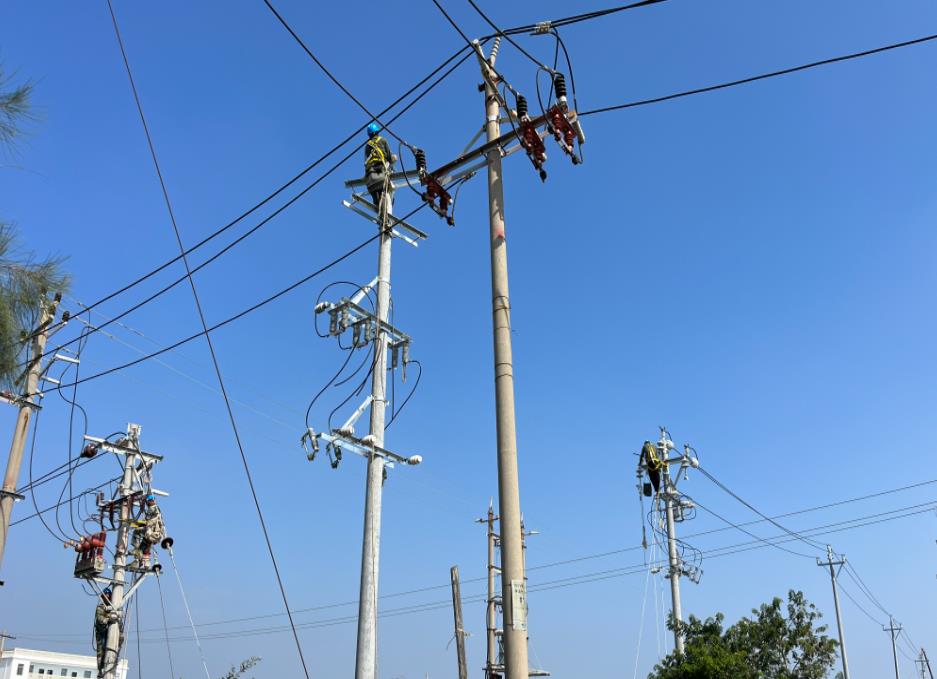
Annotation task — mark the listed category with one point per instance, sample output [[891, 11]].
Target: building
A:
[[26, 663]]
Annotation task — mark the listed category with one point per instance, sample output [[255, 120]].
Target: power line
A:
[[328, 73], [270, 197], [511, 40], [211, 348], [764, 76], [576, 18]]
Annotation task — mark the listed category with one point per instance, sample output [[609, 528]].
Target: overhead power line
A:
[[214, 357], [763, 76], [324, 69], [713, 552], [576, 18], [463, 53]]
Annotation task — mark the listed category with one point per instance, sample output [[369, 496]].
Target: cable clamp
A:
[[543, 28]]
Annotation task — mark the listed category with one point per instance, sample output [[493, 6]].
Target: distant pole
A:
[[366, 654], [927, 663], [21, 430], [457, 617], [491, 609], [894, 632], [513, 584], [4, 636], [839, 622]]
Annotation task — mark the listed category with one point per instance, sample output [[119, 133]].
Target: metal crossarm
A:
[[399, 228], [340, 442]]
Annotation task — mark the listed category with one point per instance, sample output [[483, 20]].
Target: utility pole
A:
[[28, 402], [655, 462], [370, 327], [459, 629], [491, 608], [830, 563], [894, 632], [921, 665], [927, 663], [132, 509], [4, 636], [513, 585]]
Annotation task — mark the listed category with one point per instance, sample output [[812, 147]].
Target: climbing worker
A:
[[378, 164], [146, 533], [104, 615]]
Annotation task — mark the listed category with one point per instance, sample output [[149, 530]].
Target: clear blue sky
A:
[[753, 268]]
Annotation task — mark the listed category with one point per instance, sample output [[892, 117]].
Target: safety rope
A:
[[637, 653], [188, 612]]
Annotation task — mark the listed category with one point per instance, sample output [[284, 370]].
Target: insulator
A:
[[420, 160], [521, 106], [494, 50], [333, 323], [66, 315], [356, 334], [394, 356], [559, 84]]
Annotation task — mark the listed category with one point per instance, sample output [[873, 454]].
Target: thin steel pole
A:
[[366, 655], [513, 586], [21, 429]]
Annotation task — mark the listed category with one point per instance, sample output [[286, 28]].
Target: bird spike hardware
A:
[[434, 189], [530, 139], [559, 124]]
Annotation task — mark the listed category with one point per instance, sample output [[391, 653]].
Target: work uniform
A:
[[102, 619], [146, 534], [378, 160]]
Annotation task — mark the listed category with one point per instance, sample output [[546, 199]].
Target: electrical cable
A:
[[763, 76], [282, 188], [188, 612], [416, 383], [162, 606], [331, 77], [214, 358], [499, 32]]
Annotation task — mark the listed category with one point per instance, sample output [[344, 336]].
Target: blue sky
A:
[[749, 267]]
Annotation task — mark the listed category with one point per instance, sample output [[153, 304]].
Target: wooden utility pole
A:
[[27, 403], [457, 616]]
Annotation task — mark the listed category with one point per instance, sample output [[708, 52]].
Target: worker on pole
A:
[[378, 164], [104, 617]]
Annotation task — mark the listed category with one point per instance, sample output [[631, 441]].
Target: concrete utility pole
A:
[[839, 621], [457, 616], [927, 663], [27, 404], [125, 493], [366, 656], [655, 462], [894, 632], [491, 610], [3, 637], [513, 585]]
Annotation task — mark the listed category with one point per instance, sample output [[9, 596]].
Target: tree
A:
[[24, 279], [767, 645], [237, 671]]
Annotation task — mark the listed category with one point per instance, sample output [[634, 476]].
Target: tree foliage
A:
[[24, 279], [767, 645], [238, 671]]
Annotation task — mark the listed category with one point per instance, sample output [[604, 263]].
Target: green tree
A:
[[24, 279], [767, 645]]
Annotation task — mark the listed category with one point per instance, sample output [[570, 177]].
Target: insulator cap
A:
[[420, 160]]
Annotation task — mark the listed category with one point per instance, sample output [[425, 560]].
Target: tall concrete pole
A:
[[894, 632], [674, 570], [839, 621], [457, 618], [125, 491], [23, 418], [513, 586], [366, 656], [491, 613], [927, 663]]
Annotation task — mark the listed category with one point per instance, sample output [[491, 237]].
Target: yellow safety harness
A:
[[376, 155]]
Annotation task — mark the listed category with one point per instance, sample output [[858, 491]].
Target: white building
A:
[[25, 663]]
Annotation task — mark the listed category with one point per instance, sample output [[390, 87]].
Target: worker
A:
[[104, 615], [146, 533], [378, 164]]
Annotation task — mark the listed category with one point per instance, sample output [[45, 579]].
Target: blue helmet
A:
[[373, 129]]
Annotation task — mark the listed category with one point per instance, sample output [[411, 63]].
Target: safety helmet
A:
[[151, 498], [373, 129], [106, 591]]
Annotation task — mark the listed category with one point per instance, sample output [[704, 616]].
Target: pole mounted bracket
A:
[[337, 442]]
